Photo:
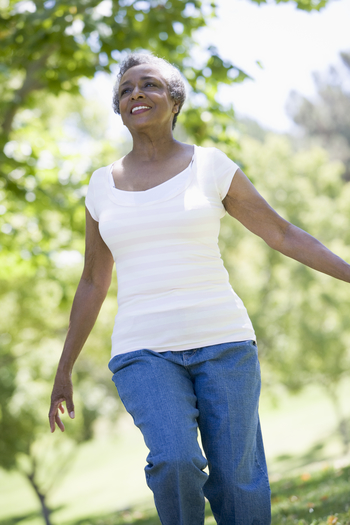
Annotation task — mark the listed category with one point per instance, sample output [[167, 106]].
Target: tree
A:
[[300, 316], [326, 120], [47, 48], [40, 264]]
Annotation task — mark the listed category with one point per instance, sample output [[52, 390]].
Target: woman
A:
[[184, 354]]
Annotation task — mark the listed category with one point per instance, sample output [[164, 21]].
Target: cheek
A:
[[122, 109], [123, 101]]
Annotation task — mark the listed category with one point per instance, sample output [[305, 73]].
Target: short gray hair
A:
[[172, 77]]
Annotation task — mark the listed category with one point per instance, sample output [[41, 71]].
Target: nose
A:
[[136, 93]]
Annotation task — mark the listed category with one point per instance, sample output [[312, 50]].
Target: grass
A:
[[106, 484], [321, 498]]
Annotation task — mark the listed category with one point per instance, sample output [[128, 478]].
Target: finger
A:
[[53, 413], [52, 423], [70, 407], [54, 418], [61, 407], [59, 422]]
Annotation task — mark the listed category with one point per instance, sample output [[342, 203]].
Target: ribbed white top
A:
[[173, 290]]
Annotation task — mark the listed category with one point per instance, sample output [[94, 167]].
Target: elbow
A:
[[275, 242], [98, 285], [276, 239], [103, 287]]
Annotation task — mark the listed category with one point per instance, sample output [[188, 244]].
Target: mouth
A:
[[139, 109]]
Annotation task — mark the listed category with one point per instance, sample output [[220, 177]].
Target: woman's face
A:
[[144, 100]]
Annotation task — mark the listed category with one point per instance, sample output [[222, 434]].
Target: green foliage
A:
[[46, 49], [300, 316], [304, 5], [42, 242], [49, 145]]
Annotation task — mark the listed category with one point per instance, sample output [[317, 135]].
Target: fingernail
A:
[[71, 414]]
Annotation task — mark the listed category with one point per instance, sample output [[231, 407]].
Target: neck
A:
[[152, 147]]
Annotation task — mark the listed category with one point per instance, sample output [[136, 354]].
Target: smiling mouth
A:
[[139, 109]]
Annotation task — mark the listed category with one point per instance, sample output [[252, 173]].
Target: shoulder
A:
[[99, 175], [217, 169], [211, 151], [217, 158], [101, 172], [98, 181]]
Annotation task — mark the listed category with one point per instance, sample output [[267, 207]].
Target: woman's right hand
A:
[[91, 292], [62, 391]]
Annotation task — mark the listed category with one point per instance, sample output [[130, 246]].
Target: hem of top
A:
[[246, 337]]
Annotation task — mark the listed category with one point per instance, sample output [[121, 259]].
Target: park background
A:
[[270, 85]]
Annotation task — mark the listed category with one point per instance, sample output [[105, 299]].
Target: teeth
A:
[[139, 107]]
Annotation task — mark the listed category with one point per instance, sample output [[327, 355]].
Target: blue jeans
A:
[[216, 389]]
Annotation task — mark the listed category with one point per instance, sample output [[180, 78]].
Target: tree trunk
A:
[[42, 498], [31, 83]]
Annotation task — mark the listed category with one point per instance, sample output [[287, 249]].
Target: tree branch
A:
[[31, 83]]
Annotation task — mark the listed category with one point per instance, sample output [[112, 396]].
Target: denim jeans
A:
[[216, 389]]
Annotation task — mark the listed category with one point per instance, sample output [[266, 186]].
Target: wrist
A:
[[64, 369]]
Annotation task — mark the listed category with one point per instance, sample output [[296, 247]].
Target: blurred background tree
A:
[[326, 120], [300, 316], [51, 141], [50, 144]]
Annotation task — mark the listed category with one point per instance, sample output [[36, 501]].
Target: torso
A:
[[165, 245], [132, 174]]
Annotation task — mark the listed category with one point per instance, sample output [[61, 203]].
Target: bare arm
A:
[[245, 204], [91, 292]]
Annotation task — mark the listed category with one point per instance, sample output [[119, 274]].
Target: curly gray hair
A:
[[171, 75]]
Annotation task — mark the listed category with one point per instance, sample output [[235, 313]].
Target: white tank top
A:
[[173, 290]]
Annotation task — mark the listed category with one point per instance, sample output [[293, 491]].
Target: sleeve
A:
[[90, 198], [224, 169]]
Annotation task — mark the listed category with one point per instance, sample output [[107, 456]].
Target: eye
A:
[[151, 84], [125, 90]]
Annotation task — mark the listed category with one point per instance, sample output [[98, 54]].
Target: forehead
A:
[[136, 73]]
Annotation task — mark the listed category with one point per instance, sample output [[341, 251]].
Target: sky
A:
[[290, 44]]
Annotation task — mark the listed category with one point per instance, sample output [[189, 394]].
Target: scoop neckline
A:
[[163, 191], [153, 187]]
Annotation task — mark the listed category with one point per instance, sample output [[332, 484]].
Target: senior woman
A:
[[184, 353]]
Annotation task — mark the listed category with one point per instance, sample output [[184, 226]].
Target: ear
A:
[[176, 107]]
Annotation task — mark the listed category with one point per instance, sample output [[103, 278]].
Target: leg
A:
[[227, 385], [159, 395]]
